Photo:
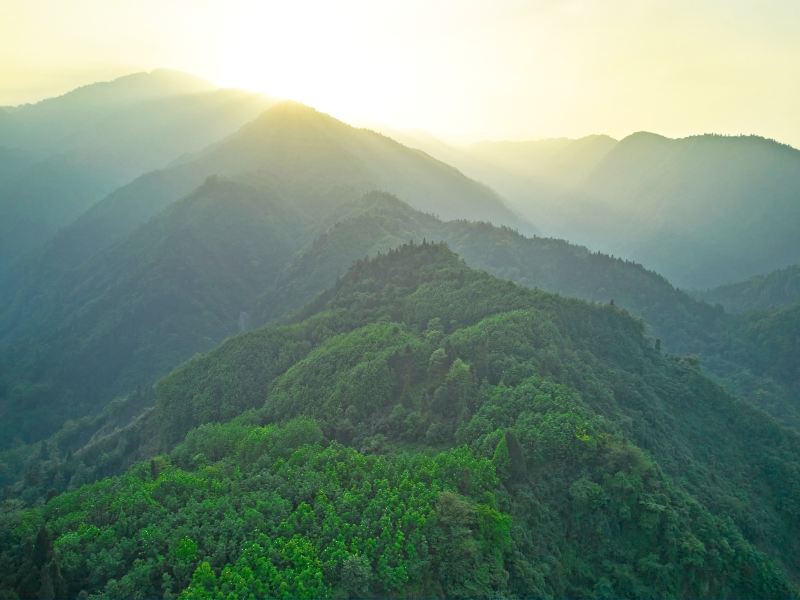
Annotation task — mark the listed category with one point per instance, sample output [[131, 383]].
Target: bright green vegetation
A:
[[153, 273], [426, 429], [249, 375], [278, 512], [247, 256]]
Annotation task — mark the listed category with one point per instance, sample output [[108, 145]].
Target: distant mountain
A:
[[763, 292], [321, 161], [552, 162], [703, 211], [80, 146], [425, 429], [522, 170], [57, 124]]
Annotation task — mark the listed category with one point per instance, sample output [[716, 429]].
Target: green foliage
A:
[[761, 293], [280, 513], [424, 429]]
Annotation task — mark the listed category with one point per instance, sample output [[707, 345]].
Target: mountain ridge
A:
[[545, 413]]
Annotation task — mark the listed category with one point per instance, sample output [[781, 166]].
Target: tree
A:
[[356, 576]]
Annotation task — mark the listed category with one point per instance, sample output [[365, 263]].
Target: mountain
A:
[[682, 324], [521, 170], [81, 146], [320, 161], [178, 284], [57, 124], [774, 339], [81, 293], [703, 210], [236, 254], [760, 293], [426, 429]]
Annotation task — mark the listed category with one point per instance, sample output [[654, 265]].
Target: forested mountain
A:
[[95, 276], [321, 161], [703, 211], [774, 339], [422, 428], [684, 325], [762, 292], [426, 429], [179, 284], [234, 255], [79, 147]]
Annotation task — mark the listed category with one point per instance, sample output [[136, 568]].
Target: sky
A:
[[459, 69]]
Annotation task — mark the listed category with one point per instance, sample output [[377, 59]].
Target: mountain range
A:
[[579, 448], [69, 152], [278, 355], [703, 211]]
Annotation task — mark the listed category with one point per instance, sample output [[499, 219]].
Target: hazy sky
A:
[[466, 69]]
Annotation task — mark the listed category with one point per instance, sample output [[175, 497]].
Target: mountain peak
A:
[[389, 274], [644, 137], [289, 113], [409, 262], [126, 89]]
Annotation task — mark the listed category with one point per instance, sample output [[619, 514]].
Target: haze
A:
[[465, 70]]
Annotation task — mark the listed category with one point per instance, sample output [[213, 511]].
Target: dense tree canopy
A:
[[424, 429]]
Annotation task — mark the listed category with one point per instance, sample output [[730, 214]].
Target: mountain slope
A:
[[763, 292], [86, 143], [774, 338], [180, 283], [680, 323], [140, 309], [703, 211], [52, 124], [320, 160], [588, 464]]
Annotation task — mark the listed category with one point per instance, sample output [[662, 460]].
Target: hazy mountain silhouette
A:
[[78, 147], [703, 210], [319, 161], [762, 292]]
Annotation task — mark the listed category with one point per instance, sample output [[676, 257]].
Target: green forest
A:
[[250, 351], [424, 429]]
